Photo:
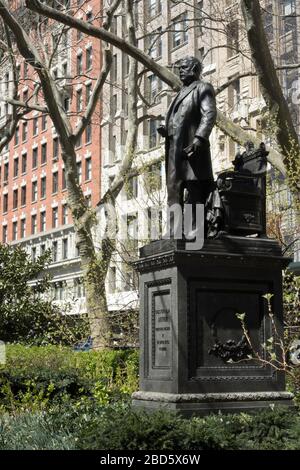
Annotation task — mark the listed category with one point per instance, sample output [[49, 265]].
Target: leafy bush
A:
[[89, 425], [269, 429], [36, 377], [26, 314], [125, 429]]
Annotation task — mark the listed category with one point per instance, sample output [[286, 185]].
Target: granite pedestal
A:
[[189, 329]]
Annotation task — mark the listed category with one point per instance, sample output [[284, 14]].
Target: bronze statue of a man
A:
[[189, 121]]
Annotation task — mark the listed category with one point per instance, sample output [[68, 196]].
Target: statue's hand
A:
[[162, 130], [194, 150], [198, 145]]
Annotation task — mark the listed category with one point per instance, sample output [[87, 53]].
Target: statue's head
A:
[[189, 69]]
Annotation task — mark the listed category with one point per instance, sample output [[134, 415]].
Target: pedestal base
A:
[[204, 403], [194, 356]]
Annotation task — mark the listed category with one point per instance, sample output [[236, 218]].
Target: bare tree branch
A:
[[107, 36]]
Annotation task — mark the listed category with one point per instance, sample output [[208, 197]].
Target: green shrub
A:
[[86, 424], [26, 313], [269, 429], [36, 377], [121, 428]]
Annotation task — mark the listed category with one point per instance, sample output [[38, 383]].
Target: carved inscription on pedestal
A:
[[161, 331]]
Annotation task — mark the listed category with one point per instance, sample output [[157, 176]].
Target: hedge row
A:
[[118, 427], [36, 377]]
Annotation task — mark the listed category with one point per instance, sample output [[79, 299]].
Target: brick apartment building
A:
[[33, 200]]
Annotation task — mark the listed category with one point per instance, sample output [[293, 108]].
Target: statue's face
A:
[[186, 71]]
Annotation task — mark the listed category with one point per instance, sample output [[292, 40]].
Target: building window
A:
[[79, 64], [24, 163], [55, 148], [44, 122], [79, 100], [180, 34], [35, 126], [289, 15], [17, 135], [112, 148], [125, 65], [34, 157], [199, 18], [63, 177], [43, 187], [33, 224], [55, 182], [88, 93], [153, 178], [114, 105], [232, 39], [88, 169], [44, 153], [234, 95], [132, 187], [155, 44], [268, 21], [5, 203], [64, 214], [128, 279], [79, 141], [16, 167], [54, 251], [67, 104], [79, 172], [114, 68], [54, 217], [154, 8], [42, 249], [79, 290], [4, 234], [23, 195], [15, 199], [59, 291], [153, 134], [34, 191], [89, 58], [155, 86], [24, 131], [88, 133], [23, 228], [15, 231], [124, 105], [43, 221], [65, 248], [6, 172]]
